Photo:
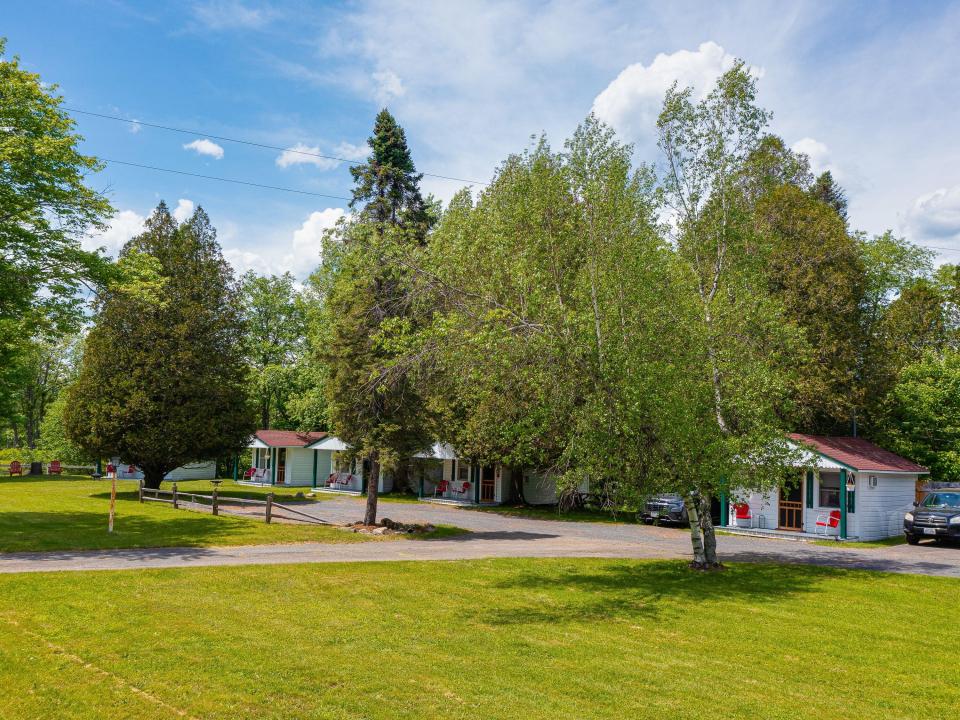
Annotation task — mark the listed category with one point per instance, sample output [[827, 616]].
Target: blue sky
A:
[[868, 90]]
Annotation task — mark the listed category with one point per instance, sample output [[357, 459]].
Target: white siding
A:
[[763, 507], [880, 509], [298, 469], [538, 490]]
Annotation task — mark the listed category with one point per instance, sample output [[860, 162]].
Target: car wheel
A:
[[912, 539]]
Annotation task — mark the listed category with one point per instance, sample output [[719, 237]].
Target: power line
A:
[[222, 179], [249, 142]]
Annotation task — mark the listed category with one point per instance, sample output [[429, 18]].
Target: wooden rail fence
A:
[[269, 507]]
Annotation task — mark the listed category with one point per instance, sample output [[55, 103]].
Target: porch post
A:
[[315, 453], [843, 503], [420, 492], [724, 504], [273, 466], [478, 471], [236, 466]]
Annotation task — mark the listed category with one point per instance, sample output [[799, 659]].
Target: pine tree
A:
[[826, 190], [162, 382], [373, 401]]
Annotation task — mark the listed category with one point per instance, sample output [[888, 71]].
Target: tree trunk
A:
[[709, 536], [152, 477], [693, 517], [373, 482]]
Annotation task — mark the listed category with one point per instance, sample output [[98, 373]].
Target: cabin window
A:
[[463, 472], [830, 490]]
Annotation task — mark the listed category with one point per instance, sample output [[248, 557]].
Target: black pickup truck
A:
[[936, 517]]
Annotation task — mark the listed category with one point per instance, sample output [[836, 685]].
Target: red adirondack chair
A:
[[465, 488], [441, 488], [15, 468], [742, 514], [827, 522], [54, 468], [248, 473]]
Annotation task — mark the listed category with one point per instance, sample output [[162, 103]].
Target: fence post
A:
[[140, 490], [216, 510], [175, 504], [269, 509]]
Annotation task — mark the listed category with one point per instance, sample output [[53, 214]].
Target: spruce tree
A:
[[374, 403], [163, 382]]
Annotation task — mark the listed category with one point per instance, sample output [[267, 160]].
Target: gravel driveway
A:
[[494, 535]]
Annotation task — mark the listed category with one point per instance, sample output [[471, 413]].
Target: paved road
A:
[[496, 536]]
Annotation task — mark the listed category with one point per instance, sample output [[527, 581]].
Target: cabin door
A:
[[281, 465], [791, 508], [488, 479]]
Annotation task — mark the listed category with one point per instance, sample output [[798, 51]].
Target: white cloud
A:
[[298, 253], [387, 86], [232, 15], [935, 216], [183, 210], [205, 147], [302, 154], [349, 151], [123, 226], [135, 127], [631, 103], [819, 154], [308, 240]]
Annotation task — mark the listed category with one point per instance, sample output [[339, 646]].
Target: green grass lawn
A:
[[499, 639], [886, 542], [71, 514]]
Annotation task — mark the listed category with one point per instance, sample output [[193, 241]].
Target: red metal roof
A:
[[288, 438], [858, 453]]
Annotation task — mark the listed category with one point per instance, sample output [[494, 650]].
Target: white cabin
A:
[[847, 488]]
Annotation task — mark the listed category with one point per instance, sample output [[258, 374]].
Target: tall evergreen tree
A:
[[161, 383], [826, 190], [374, 405]]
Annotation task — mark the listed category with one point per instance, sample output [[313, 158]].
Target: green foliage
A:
[[274, 347], [814, 268], [46, 208], [161, 383], [55, 444], [924, 414]]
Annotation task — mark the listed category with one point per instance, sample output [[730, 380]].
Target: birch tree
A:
[[743, 354]]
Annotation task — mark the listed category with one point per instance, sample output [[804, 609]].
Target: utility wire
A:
[[249, 142], [222, 179]]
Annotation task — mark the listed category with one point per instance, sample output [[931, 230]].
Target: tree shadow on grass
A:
[[637, 590], [49, 531]]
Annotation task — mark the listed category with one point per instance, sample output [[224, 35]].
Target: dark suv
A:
[[664, 508], [937, 517]]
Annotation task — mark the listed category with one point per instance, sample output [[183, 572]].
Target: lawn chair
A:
[[441, 488], [54, 468], [15, 468], [464, 489], [828, 522], [742, 515], [131, 469], [248, 473]]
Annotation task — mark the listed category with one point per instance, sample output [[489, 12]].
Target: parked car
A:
[[937, 517], [664, 508]]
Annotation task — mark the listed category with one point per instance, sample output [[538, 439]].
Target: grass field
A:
[[71, 514], [484, 639]]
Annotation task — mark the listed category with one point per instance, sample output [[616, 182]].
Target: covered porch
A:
[[445, 478], [843, 488]]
